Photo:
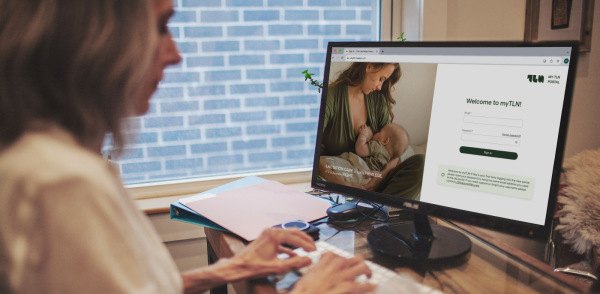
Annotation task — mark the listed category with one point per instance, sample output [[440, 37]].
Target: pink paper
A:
[[247, 211]]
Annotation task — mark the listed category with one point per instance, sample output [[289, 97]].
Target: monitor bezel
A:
[[473, 218]]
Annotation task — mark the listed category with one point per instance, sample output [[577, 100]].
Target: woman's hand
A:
[[373, 184], [259, 258], [334, 274], [330, 175]]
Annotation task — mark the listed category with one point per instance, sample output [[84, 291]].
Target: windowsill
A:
[[195, 186], [158, 205]]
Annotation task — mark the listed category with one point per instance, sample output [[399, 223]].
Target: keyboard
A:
[[388, 280]]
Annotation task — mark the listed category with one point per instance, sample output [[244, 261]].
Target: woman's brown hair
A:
[[355, 74], [73, 63]]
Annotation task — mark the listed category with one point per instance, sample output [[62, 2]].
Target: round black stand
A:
[[419, 241]]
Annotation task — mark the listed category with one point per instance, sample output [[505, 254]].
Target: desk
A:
[[489, 268]]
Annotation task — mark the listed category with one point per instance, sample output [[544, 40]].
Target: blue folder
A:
[[182, 213]]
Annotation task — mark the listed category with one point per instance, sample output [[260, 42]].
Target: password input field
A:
[[509, 141], [495, 121]]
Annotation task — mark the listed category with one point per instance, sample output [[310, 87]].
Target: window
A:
[[238, 102]]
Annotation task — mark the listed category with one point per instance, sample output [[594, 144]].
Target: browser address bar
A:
[[456, 59]]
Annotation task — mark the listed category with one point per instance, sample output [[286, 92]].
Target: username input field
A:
[[494, 121], [509, 141]]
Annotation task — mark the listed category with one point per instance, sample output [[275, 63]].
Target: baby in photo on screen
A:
[[382, 151], [375, 155]]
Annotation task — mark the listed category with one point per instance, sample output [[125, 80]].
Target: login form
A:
[[488, 135]]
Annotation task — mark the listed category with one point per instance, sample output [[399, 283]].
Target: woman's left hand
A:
[[259, 258]]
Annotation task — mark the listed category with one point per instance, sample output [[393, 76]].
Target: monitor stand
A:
[[419, 241]]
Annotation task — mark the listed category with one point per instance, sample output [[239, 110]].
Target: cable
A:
[[325, 195], [359, 221], [376, 208]]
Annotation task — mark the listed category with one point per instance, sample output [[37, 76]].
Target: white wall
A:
[[584, 127], [414, 97], [469, 20]]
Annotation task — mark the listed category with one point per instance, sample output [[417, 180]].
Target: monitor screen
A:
[[469, 131]]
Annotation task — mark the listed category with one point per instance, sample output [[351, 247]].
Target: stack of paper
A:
[[248, 210]]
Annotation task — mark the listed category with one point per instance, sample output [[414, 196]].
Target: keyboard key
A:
[[388, 280]]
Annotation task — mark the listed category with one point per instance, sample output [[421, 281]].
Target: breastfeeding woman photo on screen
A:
[[361, 96], [70, 71]]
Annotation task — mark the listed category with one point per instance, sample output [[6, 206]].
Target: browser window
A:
[[488, 119]]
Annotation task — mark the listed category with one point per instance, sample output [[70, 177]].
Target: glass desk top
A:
[[490, 267]]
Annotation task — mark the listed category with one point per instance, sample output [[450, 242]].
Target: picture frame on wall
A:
[[559, 20]]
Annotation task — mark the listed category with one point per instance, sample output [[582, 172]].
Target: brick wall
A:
[[238, 102]]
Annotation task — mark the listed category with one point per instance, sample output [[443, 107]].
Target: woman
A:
[[361, 95], [69, 72]]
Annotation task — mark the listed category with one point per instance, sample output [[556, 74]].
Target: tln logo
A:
[[535, 79]]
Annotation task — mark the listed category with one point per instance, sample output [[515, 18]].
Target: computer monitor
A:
[[478, 129]]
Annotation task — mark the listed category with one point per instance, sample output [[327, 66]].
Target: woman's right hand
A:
[[334, 274], [374, 183]]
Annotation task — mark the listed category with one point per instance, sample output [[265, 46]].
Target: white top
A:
[[67, 225]]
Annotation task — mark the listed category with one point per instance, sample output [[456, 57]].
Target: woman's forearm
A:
[[389, 166], [330, 175], [224, 271]]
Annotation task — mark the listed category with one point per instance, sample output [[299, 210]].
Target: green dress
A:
[[338, 132], [339, 137]]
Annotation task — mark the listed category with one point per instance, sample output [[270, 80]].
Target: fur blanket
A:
[[579, 201]]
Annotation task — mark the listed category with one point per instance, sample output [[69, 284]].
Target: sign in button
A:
[[488, 152]]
